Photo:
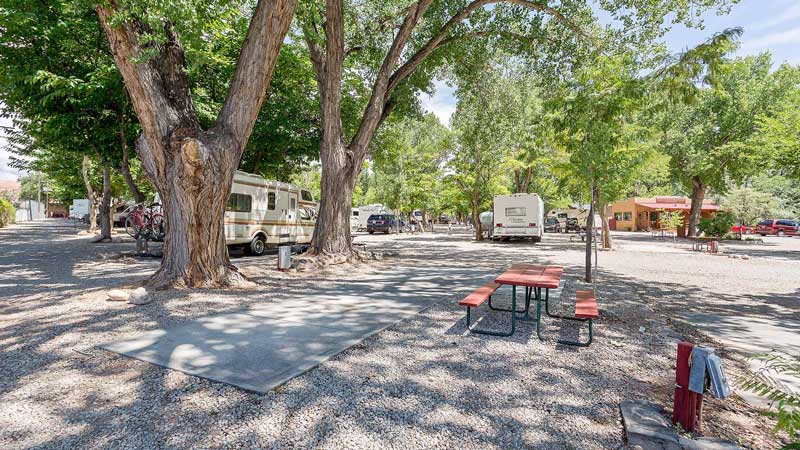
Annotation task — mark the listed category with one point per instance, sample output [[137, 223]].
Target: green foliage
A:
[[718, 225], [786, 192], [749, 206], [779, 135], [670, 220], [786, 401], [407, 160], [7, 212]]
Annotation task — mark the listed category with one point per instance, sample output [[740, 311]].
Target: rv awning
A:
[[677, 206]]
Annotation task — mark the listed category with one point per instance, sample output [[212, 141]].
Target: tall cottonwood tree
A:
[[399, 45], [191, 167]]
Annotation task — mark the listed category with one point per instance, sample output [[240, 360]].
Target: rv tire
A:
[[537, 239], [257, 246]]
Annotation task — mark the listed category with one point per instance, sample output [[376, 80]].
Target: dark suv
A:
[[384, 223], [778, 227]]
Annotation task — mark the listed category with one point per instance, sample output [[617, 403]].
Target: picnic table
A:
[[533, 278]]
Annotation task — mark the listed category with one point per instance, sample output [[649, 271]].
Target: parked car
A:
[[743, 229], [384, 223], [552, 225], [121, 213], [777, 227]]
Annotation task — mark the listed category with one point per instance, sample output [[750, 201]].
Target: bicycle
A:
[[146, 222]]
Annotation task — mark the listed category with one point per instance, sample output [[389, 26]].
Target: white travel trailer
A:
[[261, 212], [518, 215], [79, 208]]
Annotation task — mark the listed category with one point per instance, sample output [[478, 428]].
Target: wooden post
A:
[[687, 403]]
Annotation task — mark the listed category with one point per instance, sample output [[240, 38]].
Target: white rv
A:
[[79, 208], [261, 212], [518, 215]]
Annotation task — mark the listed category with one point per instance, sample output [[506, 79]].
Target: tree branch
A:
[[254, 69]]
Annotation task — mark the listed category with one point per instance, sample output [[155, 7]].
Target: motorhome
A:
[[262, 213], [79, 208], [570, 219], [518, 216], [361, 214]]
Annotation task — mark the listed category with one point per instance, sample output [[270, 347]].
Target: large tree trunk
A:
[[698, 194], [191, 168], [105, 204], [90, 195], [605, 212], [332, 232]]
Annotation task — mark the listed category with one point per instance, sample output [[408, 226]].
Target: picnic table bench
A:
[[533, 278]]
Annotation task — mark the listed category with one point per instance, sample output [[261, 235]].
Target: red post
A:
[[687, 402]]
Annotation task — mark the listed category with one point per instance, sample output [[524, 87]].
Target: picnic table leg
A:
[[528, 293], [513, 318], [499, 308]]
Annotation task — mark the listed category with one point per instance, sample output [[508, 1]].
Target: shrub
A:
[[785, 400], [718, 225], [7, 212]]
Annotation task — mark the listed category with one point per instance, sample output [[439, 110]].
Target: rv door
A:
[[290, 218]]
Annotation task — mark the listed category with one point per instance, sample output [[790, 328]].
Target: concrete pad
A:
[[251, 352]]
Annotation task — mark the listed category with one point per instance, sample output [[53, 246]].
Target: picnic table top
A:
[[532, 275]]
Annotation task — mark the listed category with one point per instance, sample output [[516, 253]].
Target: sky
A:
[[772, 25]]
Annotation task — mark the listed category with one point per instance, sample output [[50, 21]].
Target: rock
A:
[[646, 426], [140, 296], [118, 295]]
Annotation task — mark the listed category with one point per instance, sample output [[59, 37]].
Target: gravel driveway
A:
[[424, 383]]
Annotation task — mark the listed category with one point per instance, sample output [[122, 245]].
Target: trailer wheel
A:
[[257, 246], [537, 239]]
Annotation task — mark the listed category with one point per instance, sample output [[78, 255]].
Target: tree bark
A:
[[90, 195], [105, 204], [698, 194], [605, 210], [191, 168], [476, 221], [346, 159]]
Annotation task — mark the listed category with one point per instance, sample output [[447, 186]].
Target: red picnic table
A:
[[533, 278]]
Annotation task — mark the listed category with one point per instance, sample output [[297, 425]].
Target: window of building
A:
[[653, 216], [516, 211], [271, 201], [618, 216], [239, 203], [627, 216]]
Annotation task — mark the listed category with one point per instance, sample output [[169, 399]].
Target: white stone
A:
[[118, 295], [139, 297]]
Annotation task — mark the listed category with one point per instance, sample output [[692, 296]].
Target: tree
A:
[[749, 206], [396, 48], [407, 163], [192, 167], [485, 129], [708, 138], [779, 134]]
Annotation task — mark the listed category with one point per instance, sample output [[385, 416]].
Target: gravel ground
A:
[[423, 383]]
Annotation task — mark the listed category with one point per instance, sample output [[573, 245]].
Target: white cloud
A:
[[770, 40], [442, 103], [788, 15]]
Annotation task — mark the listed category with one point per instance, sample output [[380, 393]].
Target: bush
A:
[[785, 400], [718, 225], [7, 213]]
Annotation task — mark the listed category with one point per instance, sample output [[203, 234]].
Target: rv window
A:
[[517, 211], [271, 201], [292, 204], [239, 203], [355, 213], [562, 215], [306, 196]]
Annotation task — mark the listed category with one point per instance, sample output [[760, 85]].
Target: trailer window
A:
[[239, 203], [517, 211], [271, 201], [292, 204], [562, 215], [306, 196]]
